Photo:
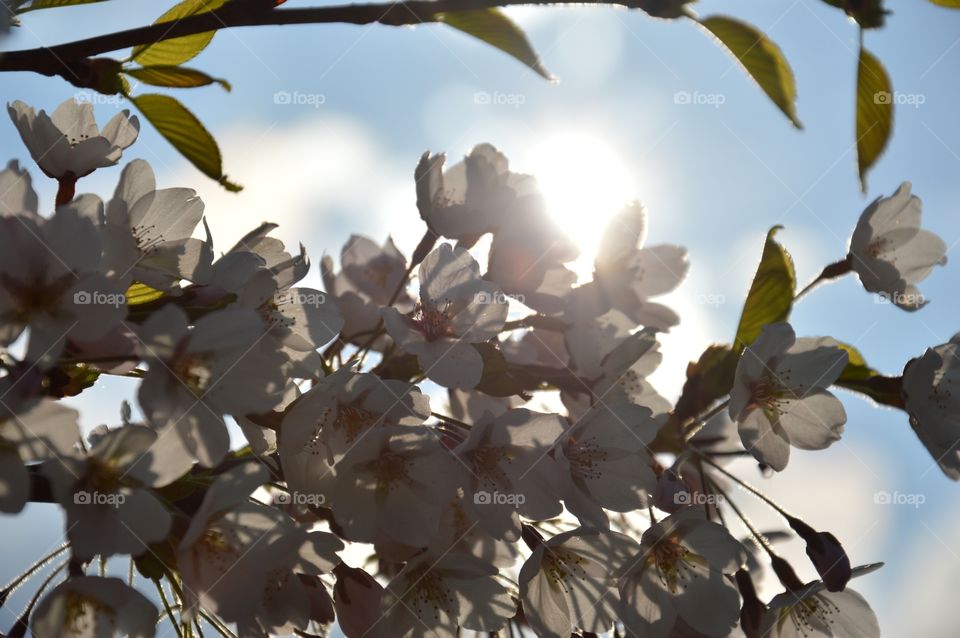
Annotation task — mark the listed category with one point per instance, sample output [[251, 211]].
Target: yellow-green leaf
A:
[[761, 58], [182, 129], [952, 4], [857, 368], [175, 77], [177, 50], [874, 112], [771, 294], [139, 293], [496, 29]]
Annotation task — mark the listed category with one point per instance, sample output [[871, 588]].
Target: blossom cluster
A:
[[484, 509]]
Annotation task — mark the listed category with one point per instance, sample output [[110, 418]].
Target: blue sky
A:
[[714, 178]]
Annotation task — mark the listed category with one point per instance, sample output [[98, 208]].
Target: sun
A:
[[585, 182]]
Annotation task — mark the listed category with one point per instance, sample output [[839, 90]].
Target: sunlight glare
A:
[[585, 182]]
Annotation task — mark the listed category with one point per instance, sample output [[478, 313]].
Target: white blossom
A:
[[197, 375], [814, 612], [457, 308], [68, 144], [44, 431], [49, 281], [94, 607], [680, 574], [148, 231], [392, 485], [569, 583], [933, 408], [16, 190], [891, 253], [433, 595], [510, 473], [604, 461], [106, 497], [780, 395]]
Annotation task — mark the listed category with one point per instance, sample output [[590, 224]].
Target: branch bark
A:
[[71, 60]]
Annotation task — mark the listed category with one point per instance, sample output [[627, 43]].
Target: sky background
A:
[[715, 175]]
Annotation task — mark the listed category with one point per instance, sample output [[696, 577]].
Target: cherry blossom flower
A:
[[148, 231], [17, 196], [93, 607], [356, 598], [370, 276], [44, 431], [891, 253], [233, 546], [49, 281], [322, 426], [198, 375], [457, 308], [433, 595], [68, 144], [604, 461], [569, 583], [510, 473], [933, 408], [626, 276], [680, 575], [105, 495], [814, 612], [392, 485], [780, 395]]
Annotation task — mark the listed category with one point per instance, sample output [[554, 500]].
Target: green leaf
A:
[[874, 112], [882, 389], [952, 4], [708, 380], [175, 77], [496, 29], [139, 293], [500, 379], [177, 50], [182, 129], [761, 58], [857, 368], [771, 293], [869, 14]]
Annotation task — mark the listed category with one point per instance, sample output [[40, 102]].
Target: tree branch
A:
[[70, 60]]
